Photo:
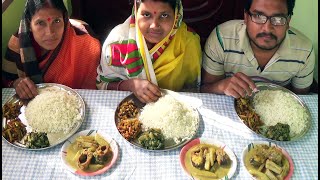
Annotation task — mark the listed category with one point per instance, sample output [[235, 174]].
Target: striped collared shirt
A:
[[228, 51]]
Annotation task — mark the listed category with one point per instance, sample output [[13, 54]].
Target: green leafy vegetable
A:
[[152, 139], [35, 140], [279, 132]]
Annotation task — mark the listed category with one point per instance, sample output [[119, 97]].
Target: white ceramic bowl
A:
[[212, 142], [109, 139], [252, 145]]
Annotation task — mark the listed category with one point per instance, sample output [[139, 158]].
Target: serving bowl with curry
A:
[[205, 158], [89, 153], [266, 160]]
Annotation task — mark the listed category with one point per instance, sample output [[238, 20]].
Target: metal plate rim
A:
[[63, 138], [182, 143], [275, 86]]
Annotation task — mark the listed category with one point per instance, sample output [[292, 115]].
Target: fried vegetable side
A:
[[129, 128], [12, 110], [14, 129], [128, 110], [246, 112]]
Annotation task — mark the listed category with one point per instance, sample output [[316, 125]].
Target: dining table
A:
[[218, 121]]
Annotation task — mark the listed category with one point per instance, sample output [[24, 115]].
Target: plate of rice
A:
[[163, 125], [275, 113], [45, 121]]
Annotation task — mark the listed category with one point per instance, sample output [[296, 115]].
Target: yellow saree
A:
[[174, 63]]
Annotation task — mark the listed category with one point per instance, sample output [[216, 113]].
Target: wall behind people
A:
[[305, 19], [10, 22]]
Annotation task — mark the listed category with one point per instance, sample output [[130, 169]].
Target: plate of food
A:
[[266, 160], [205, 158], [45, 121], [275, 113], [163, 125], [89, 153]]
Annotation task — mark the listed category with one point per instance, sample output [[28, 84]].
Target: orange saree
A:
[[74, 65]]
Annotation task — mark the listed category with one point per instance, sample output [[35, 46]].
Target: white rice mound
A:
[[176, 120], [53, 111], [275, 106]]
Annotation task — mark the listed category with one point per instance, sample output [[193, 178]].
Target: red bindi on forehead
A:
[[154, 12], [49, 19]]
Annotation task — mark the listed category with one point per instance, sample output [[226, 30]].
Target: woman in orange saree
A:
[[50, 48]]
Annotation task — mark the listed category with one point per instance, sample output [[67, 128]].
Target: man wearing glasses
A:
[[260, 48]]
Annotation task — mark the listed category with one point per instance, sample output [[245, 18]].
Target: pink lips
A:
[[50, 41], [267, 38], [155, 35]]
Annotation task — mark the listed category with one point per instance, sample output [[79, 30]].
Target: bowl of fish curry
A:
[[266, 160]]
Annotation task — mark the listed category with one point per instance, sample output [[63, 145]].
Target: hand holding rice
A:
[[53, 111]]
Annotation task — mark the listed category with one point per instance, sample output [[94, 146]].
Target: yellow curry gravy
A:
[[73, 153], [260, 174], [203, 174]]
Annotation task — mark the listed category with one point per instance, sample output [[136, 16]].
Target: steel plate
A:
[[168, 144], [269, 86], [54, 138]]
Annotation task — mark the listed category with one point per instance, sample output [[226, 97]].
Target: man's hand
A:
[[239, 85]]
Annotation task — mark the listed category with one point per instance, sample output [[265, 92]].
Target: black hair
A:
[[171, 2], [35, 6], [290, 6]]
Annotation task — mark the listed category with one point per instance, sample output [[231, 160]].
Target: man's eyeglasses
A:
[[262, 19]]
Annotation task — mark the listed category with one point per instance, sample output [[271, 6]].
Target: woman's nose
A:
[[50, 29], [155, 24]]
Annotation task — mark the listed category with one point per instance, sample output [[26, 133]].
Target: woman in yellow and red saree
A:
[[50, 48], [152, 49]]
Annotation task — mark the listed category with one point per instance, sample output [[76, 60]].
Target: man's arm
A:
[[209, 83], [301, 83]]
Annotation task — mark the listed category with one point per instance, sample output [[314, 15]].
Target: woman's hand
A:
[[145, 91], [25, 88]]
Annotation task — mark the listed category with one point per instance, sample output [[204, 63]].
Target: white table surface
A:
[[219, 121]]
